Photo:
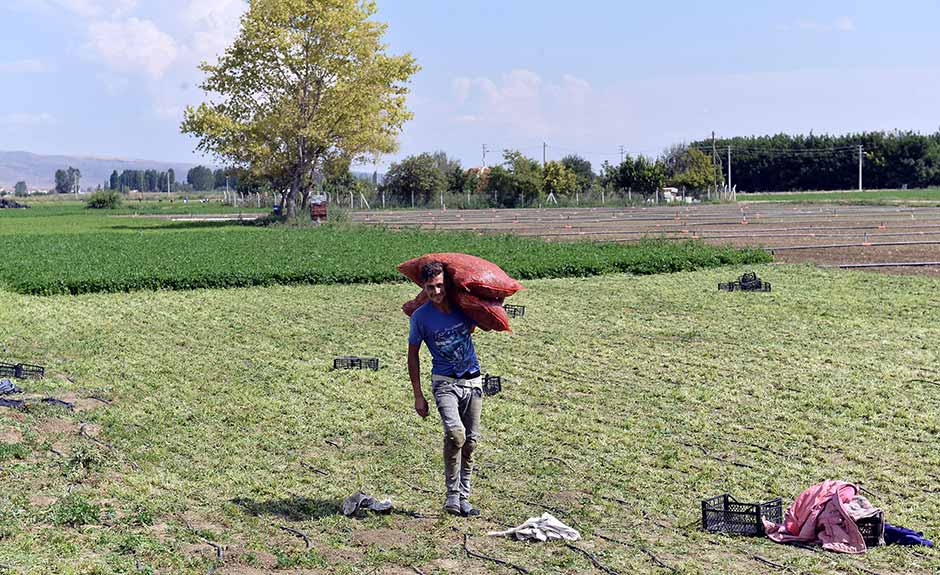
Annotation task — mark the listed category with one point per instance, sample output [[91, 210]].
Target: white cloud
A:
[[210, 26], [461, 87], [133, 45], [28, 65], [24, 119], [519, 100], [83, 8]]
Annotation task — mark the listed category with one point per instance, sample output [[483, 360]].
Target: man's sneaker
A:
[[468, 510], [452, 506]]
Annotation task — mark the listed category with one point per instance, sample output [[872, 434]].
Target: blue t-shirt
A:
[[447, 337]]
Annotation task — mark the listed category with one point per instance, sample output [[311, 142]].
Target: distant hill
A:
[[38, 171]]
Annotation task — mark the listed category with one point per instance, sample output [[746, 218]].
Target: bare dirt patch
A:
[[8, 413], [238, 555], [160, 531], [454, 566], [10, 435], [339, 556], [58, 426], [90, 429], [81, 403], [41, 500], [195, 521], [244, 570]]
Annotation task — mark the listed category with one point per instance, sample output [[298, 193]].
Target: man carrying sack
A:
[[455, 382]]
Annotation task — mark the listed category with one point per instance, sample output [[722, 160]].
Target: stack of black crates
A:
[[21, 370]]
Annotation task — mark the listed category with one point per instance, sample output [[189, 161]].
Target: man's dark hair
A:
[[431, 270]]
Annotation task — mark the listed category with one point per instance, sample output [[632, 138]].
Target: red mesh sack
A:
[[411, 306], [468, 273], [488, 314]]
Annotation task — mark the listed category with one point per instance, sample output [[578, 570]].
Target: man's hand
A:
[[421, 406]]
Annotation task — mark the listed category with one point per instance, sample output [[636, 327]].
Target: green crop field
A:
[[82, 253], [212, 418], [928, 196]]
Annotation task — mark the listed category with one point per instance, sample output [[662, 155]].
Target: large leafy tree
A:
[[20, 189], [559, 180], [639, 174], [691, 169], [201, 178], [517, 182], [581, 168], [67, 181], [62, 183], [74, 177], [419, 175], [304, 83]]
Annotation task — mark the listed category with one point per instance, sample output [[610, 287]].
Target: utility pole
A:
[[860, 167], [729, 171], [226, 189], [621, 154], [484, 155], [544, 147], [714, 162]]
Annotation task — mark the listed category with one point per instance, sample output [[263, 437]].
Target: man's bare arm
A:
[[414, 372]]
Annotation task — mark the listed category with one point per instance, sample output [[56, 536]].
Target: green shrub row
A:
[[236, 256]]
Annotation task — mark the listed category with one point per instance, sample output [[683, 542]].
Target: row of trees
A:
[[142, 180], [199, 178], [785, 162], [521, 181]]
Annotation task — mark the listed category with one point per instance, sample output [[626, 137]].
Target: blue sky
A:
[[111, 77]]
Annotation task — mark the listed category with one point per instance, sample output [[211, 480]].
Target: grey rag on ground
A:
[[357, 501], [7, 387], [544, 528]]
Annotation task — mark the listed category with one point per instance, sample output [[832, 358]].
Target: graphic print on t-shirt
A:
[[454, 344]]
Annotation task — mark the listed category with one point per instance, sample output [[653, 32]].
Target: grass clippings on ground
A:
[[626, 400]]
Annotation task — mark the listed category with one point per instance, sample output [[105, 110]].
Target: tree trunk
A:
[[292, 195]]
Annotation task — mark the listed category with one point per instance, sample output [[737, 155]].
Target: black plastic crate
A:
[[514, 310], [7, 369], [872, 529], [492, 384], [26, 370], [352, 362], [726, 514], [747, 282]]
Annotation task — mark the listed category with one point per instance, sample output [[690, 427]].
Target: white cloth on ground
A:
[[543, 528]]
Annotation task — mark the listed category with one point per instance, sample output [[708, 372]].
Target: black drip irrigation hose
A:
[[862, 245], [891, 265]]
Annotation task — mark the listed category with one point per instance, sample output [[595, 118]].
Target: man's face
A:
[[434, 288]]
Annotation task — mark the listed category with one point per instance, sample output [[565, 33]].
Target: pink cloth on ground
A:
[[819, 515]]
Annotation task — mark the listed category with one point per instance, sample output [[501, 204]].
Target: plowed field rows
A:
[[827, 235]]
